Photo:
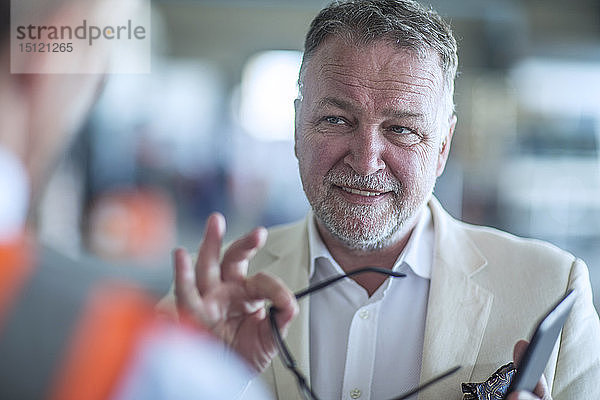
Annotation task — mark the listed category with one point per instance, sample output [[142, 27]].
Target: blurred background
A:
[[211, 128]]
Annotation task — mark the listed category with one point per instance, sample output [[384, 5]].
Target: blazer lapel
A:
[[291, 264], [457, 311]]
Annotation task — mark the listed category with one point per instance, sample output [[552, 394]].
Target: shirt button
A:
[[364, 314], [355, 393]]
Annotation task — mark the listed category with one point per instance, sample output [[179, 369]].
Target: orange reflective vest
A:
[[65, 333]]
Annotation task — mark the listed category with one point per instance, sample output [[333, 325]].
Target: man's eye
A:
[[401, 130], [335, 120], [404, 136]]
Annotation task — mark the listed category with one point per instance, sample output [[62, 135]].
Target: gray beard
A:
[[365, 227]]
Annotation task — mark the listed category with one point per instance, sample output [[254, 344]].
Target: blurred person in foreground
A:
[[70, 330], [374, 125]]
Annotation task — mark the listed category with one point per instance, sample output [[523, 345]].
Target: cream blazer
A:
[[488, 289]]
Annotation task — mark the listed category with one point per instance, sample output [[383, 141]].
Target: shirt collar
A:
[[417, 254], [316, 247]]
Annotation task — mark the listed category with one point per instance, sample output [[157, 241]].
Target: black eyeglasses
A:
[[290, 362]]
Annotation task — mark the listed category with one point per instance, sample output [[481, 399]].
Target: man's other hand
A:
[[541, 390]]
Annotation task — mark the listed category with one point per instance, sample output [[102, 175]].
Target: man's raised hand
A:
[[218, 293]]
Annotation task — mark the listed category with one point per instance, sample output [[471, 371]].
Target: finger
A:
[[521, 396], [542, 390], [208, 270], [519, 351], [235, 261], [263, 286], [186, 293]]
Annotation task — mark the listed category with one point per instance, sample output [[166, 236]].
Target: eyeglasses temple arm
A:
[[290, 363], [334, 279], [428, 383], [278, 338]]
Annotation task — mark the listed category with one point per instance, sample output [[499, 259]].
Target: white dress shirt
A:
[[365, 347]]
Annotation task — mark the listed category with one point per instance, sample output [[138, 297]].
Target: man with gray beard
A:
[[374, 124]]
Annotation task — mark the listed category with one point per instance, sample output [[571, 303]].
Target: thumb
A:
[[521, 396], [519, 351], [541, 389]]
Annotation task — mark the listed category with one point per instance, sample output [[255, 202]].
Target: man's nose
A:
[[366, 150]]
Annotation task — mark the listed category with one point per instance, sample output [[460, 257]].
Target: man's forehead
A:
[[379, 73], [379, 58]]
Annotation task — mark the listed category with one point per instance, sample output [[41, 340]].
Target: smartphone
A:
[[538, 352]]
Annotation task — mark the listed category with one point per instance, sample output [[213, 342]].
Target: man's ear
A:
[[297, 107], [445, 146]]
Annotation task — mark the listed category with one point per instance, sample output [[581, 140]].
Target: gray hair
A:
[[403, 22]]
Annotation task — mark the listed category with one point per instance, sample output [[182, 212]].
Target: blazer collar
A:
[[289, 249], [458, 307]]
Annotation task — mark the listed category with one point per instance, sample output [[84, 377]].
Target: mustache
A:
[[382, 182]]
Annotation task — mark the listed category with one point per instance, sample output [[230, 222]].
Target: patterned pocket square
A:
[[494, 388]]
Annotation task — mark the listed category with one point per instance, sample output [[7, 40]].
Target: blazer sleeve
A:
[[577, 374]]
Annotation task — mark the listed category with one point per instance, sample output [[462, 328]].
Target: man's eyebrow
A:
[[388, 112], [339, 103], [348, 106]]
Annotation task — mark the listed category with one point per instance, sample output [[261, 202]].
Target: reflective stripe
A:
[[38, 325], [15, 269], [68, 329], [112, 323]]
